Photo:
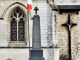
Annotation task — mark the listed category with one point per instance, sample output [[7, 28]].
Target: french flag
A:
[[29, 7]]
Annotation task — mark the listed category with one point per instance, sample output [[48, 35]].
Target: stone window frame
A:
[[17, 19], [8, 12], [17, 43]]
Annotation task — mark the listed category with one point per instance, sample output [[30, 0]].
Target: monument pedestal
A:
[[36, 55], [36, 58]]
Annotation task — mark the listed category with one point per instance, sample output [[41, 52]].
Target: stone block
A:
[[38, 58], [36, 53]]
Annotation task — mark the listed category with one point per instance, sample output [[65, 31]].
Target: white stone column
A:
[[50, 48], [54, 29], [54, 35]]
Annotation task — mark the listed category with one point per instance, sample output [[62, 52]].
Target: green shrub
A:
[[64, 57]]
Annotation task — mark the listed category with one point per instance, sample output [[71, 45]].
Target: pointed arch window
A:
[[17, 25]]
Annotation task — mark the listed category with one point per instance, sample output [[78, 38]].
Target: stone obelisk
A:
[[36, 53]]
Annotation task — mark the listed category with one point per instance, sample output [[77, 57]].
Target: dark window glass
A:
[[17, 10], [21, 30], [15, 14], [13, 30], [20, 14]]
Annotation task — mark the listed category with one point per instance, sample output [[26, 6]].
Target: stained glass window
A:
[[17, 26], [13, 30], [21, 30]]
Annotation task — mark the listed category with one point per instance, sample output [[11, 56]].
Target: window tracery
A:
[[17, 25]]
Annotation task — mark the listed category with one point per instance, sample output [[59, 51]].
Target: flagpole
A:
[[28, 34], [29, 7]]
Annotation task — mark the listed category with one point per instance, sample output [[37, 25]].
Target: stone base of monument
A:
[[36, 58], [36, 55]]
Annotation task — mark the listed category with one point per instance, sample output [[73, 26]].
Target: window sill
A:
[[17, 45]]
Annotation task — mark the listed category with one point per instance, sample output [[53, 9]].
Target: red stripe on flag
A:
[[29, 7]]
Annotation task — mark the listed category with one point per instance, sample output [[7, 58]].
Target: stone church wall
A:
[[54, 36], [62, 34], [62, 31], [20, 52], [4, 19]]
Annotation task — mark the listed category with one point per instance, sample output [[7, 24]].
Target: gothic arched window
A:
[[17, 25]]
